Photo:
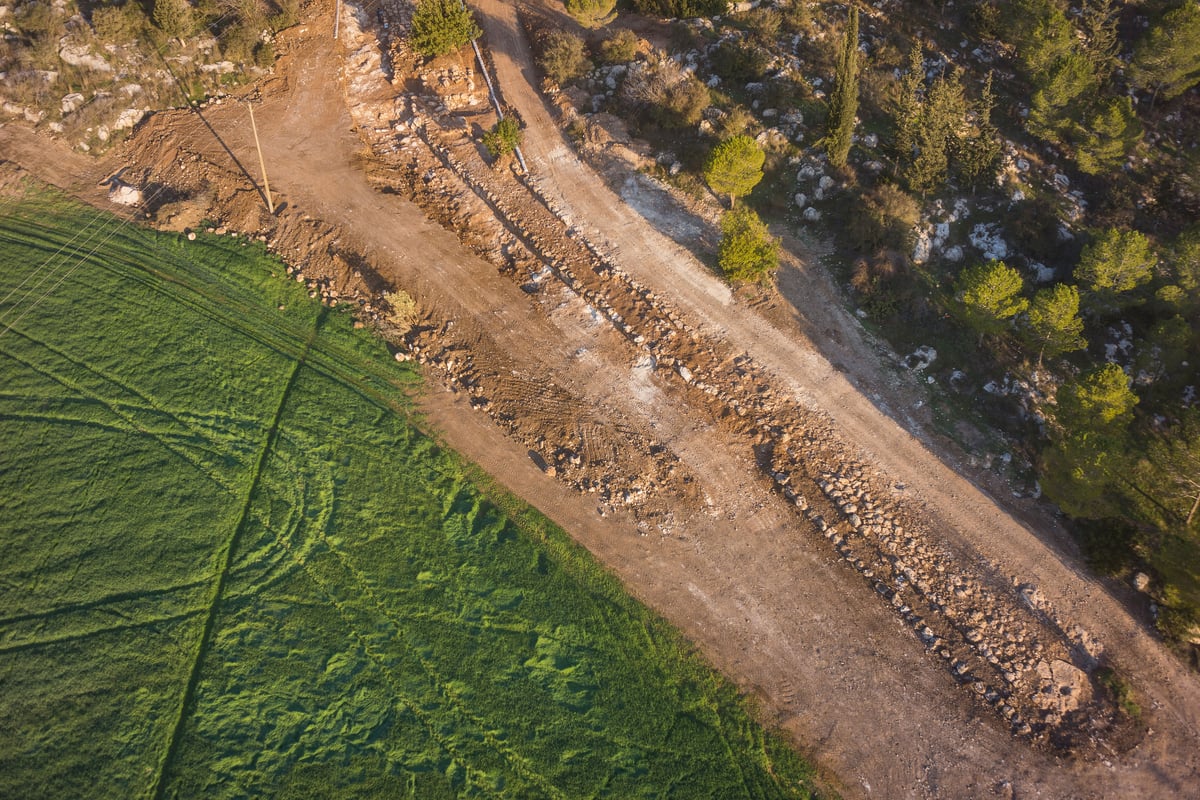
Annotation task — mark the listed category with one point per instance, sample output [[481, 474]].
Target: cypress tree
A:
[[908, 111], [978, 154], [843, 105], [937, 135]]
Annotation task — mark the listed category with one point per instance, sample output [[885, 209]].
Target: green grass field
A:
[[234, 568]]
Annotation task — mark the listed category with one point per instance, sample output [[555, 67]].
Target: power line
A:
[[50, 258]]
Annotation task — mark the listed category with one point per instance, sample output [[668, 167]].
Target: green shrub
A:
[[564, 57], [619, 48], [765, 24], [239, 42], [1121, 691], [442, 26], [886, 217], [796, 17], [119, 24], [748, 252], [504, 137], [739, 61], [264, 55]]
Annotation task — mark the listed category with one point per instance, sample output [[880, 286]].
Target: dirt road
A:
[[748, 579], [967, 517]]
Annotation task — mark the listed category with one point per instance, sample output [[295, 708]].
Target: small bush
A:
[[504, 137], [404, 313], [288, 14], [737, 122], [796, 17], [239, 42], [1107, 544], [883, 284], [119, 24], [765, 24], [564, 57], [885, 218], [620, 48], [264, 55], [670, 95], [1121, 691], [739, 61]]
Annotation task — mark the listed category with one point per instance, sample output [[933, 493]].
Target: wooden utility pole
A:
[[262, 164]]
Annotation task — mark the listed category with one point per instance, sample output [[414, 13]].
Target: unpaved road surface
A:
[[890, 616]]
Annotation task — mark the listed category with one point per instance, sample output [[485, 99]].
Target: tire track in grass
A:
[[451, 701], [158, 789], [97, 603], [76, 637], [238, 310], [179, 444]]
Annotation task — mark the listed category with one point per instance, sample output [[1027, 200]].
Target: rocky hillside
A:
[[90, 71]]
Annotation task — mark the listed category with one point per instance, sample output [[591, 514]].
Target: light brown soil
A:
[[709, 454]]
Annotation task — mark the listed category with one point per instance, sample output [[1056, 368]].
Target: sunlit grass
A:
[[235, 568]]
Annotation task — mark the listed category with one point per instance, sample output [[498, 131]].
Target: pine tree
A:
[[1078, 471], [1053, 324], [1114, 264], [734, 167], [1172, 471], [988, 296], [1110, 134], [1185, 261], [1100, 399], [843, 105], [1090, 443], [1041, 34], [1098, 24], [1062, 94], [1167, 59], [592, 13]]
